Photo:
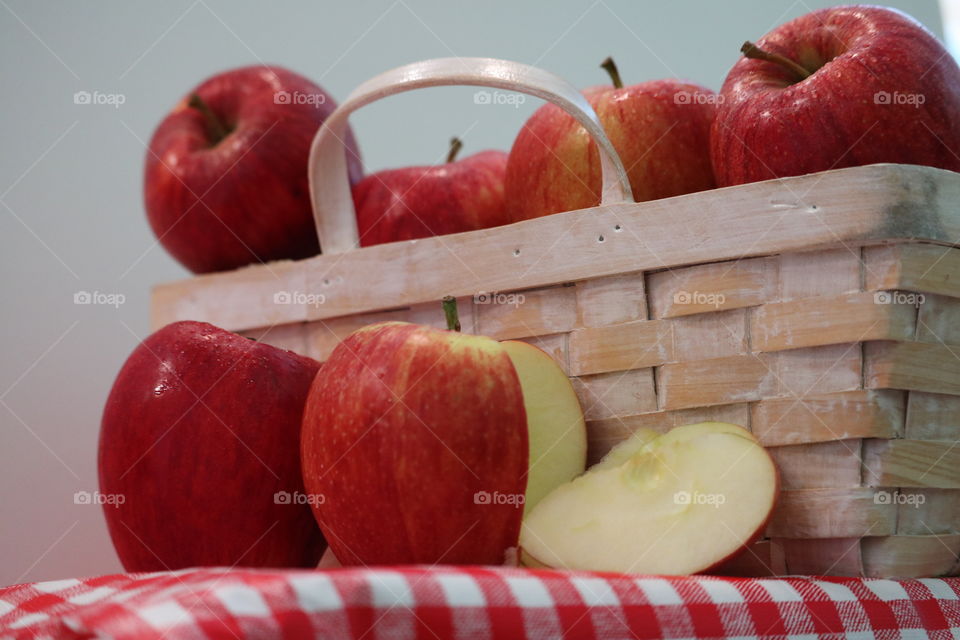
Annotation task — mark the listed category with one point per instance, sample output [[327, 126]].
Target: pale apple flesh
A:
[[555, 427], [676, 504]]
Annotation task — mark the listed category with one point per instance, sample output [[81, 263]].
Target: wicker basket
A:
[[817, 311]]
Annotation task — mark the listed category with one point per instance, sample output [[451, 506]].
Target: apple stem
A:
[[751, 50], [450, 310], [610, 67], [455, 145], [214, 123]]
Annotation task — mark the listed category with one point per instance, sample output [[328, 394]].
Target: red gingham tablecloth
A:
[[472, 602]]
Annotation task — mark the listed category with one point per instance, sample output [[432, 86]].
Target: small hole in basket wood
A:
[[326, 282], [617, 228], [601, 239], [516, 252]]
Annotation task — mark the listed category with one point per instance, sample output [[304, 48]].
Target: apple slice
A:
[[555, 427], [670, 504]]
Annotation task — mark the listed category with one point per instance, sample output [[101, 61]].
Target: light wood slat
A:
[[820, 465], [912, 365], [619, 347], [912, 463], [830, 416], [248, 298], [817, 273], [604, 434], [913, 267], [800, 373], [524, 314], [831, 513], [819, 556], [933, 416], [923, 512], [910, 556], [611, 300], [710, 335], [712, 287], [856, 206], [938, 321], [851, 317], [616, 394], [292, 337], [718, 381], [649, 343]]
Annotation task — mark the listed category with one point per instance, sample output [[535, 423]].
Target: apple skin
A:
[[768, 125], [404, 424], [418, 202], [199, 477], [660, 129], [253, 183]]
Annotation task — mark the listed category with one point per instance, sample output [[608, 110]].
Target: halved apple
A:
[[671, 504], [424, 444]]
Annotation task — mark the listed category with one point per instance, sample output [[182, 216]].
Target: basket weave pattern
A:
[[824, 356]]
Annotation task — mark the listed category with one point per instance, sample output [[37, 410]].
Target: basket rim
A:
[[852, 207]]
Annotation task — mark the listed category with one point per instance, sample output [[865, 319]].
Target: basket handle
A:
[[333, 208]]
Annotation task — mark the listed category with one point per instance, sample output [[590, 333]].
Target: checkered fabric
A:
[[473, 602]]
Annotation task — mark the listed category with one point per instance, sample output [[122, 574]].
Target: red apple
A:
[[838, 87], [225, 182], [200, 435], [667, 504], [425, 445], [660, 129], [417, 202]]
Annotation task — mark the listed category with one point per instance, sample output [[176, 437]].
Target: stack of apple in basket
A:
[[762, 378]]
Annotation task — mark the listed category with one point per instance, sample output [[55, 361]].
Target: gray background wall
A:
[[71, 217]]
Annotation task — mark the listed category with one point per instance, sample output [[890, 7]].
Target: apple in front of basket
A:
[[429, 445], [675, 503]]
